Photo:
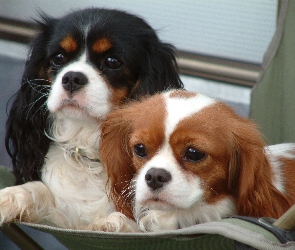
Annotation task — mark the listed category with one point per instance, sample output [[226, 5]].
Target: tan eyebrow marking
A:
[[101, 45], [68, 44]]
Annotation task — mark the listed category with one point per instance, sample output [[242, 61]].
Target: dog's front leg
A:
[[29, 202]]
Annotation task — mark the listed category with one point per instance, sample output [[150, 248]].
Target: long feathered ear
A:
[[25, 141], [116, 157], [251, 175], [159, 70]]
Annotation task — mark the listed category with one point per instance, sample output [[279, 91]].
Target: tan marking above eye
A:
[[69, 44], [101, 45]]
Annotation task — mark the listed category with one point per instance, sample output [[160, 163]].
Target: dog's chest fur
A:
[[76, 180]]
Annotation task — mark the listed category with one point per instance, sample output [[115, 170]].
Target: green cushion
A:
[[214, 235], [6, 177]]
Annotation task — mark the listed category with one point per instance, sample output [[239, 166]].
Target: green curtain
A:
[[273, 98]]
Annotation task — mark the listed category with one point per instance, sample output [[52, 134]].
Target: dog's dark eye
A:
[[140, 150], [193, 155], [112, 63], [58, 60]]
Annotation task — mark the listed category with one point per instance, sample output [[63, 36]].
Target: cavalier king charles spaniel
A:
[[180, 158], [80, 67]]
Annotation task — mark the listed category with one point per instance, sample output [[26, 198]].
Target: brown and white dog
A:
[[80, 67], [179, 158]]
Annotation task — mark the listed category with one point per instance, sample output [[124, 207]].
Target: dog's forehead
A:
[[181, 104]]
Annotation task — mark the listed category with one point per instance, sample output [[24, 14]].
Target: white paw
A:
[[157, 221], [29, 202], [115, 222], [16, 204]]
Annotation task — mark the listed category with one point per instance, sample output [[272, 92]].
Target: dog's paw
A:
[[27, 203], [157, 221], [115, 222], [16, 204]]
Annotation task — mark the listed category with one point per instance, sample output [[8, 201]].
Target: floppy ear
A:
[[159, 69], [116, 157], [25, 141], [251, 175]]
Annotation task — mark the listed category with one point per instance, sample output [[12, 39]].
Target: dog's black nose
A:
[[157, 178], [73, 81]]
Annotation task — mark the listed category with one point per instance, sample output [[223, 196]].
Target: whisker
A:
[[31, 105], [126, 199], [33, 82], [44, 80], [127, 191], [40, 89], [129, 194], [41, 107], [205, 184]]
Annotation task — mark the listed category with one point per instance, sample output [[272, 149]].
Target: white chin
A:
[[75, 113], [159, 205]]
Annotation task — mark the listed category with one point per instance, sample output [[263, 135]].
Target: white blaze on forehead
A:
[[179, 108]]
